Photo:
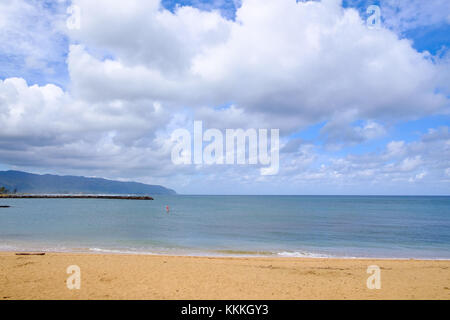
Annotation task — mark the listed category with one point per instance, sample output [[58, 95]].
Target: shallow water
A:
[[312, 226]]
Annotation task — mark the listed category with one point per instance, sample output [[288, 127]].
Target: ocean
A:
[[283, 226]]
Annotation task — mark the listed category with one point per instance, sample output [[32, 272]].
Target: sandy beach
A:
[[172, 277]]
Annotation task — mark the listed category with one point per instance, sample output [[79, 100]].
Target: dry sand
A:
[[169, 277]]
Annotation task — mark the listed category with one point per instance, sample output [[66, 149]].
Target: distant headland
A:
[[15, 184]]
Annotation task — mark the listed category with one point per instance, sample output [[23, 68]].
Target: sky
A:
[[360, 110]]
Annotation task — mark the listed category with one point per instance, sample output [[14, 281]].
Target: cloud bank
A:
[[137, 71]]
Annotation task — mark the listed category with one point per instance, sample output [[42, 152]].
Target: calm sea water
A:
[[312, 226]]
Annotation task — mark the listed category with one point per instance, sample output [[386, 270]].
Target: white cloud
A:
[[284, 63], [340, 132], [405, 15], [395, 149], [418, 177], [32, 37], [138, 71], [411, 14], [410, 164]]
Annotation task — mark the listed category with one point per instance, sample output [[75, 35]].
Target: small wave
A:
[[303, 254], [245, 252], [99, 250], [6, 247]]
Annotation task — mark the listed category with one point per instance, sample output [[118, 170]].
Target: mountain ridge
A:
[[24, 182]]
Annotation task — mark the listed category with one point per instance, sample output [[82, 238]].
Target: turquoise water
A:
[[312, 226]]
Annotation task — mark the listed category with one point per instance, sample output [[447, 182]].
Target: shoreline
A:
[[168, 255], [211, 254], [134, 276]]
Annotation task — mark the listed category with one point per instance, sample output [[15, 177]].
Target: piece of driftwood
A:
[[30, 253]]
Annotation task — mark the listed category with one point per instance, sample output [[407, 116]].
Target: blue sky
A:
[[82, 93]]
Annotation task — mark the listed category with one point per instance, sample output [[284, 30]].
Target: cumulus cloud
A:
[[43, 126], [137, 71], [290, 64]]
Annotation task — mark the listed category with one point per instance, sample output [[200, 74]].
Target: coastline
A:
[[198, 253], [141, 276]]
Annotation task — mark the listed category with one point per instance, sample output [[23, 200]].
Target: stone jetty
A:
[[63, 196]]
